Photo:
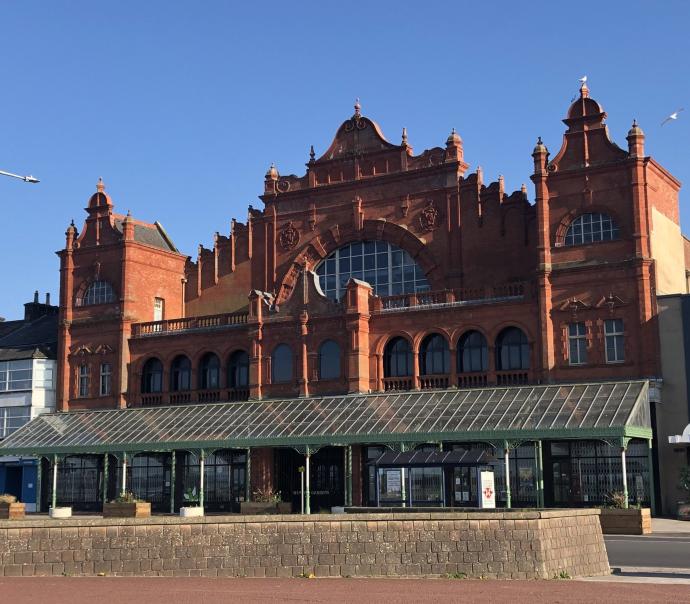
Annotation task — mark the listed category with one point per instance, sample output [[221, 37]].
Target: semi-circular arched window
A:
[[152, 376], [181, 374], [589, 228], [512, 349], [238, 369], [281, 364], [209, 372], [98, 292], [473, 354], [433, 355], [388, 269], [329, 360], [397, 358]]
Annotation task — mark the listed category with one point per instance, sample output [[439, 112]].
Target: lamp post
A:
[[28, 178]]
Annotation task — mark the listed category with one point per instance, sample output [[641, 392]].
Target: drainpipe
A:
[[506, 457], [124, 474], [55, 471], [625, 477], [307, 495]]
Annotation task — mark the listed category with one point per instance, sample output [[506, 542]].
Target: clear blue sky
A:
[[182, 106]]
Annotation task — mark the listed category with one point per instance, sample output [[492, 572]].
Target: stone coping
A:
[[85, 521]]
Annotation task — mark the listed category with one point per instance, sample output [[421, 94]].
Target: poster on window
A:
[[487, 489], [393, 482]]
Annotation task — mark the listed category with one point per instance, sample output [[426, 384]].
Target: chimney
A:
[[47, 298], [35, 310]]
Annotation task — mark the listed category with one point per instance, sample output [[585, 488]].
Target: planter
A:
[[63, 512], [683, 510], [192, 512], [140, 509], [284, 507], [259, 507], [12, 511], [632, 521]]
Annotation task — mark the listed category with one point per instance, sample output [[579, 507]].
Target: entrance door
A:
[[561, 482], [13, 481]]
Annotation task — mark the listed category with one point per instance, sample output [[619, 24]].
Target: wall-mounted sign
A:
[[487, 489]]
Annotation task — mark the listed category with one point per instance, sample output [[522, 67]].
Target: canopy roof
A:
[[594, 410]]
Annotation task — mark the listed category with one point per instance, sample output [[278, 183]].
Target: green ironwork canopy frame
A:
[[606, 411]]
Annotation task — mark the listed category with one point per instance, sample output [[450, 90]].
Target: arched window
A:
[[152, 376], [99, 292], [181, 374], [329, 360], [238, 369], [512, 349], [473, 354], [388, 269], [397, 358], [433, 355], [589, 228], [281, 364], [209, 372]]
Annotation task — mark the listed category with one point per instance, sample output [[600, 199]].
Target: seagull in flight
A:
[[673, 116]]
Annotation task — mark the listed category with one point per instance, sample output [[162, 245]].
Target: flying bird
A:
[[673, 116]]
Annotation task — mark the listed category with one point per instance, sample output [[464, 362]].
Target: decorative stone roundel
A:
[[429, 218], [289, 236]]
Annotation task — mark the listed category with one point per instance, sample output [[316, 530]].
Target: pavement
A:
[[164, 590], [662, 557]]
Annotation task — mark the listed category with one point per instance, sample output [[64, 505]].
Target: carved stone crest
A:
[[429, 218], [289, 237]]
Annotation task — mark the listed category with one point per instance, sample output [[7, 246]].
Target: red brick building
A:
[[383, 270]]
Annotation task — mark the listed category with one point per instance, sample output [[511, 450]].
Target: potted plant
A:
[[191, 507], [126, 505], [10, 508], [683, 507], [264, 501], [616, 519]]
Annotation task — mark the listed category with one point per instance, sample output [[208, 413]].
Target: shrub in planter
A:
[[264, 501], [615, 519], [683, 506], [126, 505], [10, 508], [191, 507]]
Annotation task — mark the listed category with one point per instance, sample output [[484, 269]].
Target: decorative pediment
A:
[[573, 305], [355, 137], [103, 349]]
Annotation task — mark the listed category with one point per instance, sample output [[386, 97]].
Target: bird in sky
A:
[[673, 116]]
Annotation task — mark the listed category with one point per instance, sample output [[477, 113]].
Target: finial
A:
[[312, 155], [272, 173], [453, 138], [523, 189], [634, 123], [100, 187], [358, 107], [72, 223], [129, 214], [404, 136], [539, 141]]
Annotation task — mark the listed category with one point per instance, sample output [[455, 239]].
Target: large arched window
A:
[[238, 369], [329, 360], [433, 355], [152, 376], [512, 349], [281, 364], [99, 292], [209, 372], [388, 269], [473, 354], [589, 228], [181, 374], [397, 358]]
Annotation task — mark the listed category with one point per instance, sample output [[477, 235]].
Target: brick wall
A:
[[499, 544]]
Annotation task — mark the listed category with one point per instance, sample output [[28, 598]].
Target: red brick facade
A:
[[492, 260]]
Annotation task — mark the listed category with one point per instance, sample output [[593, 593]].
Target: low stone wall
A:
[[632, 521], [518, 545]]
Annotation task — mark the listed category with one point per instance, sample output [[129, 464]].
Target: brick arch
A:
[[419, 337], [86, 283], [383, 340], [459, 332], [567, 220], [373, 230]]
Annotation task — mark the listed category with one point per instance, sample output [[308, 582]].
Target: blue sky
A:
[[182, 106]]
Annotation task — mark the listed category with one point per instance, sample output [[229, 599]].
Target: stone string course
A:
[[511, 545]]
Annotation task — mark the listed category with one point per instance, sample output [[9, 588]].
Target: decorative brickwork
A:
[[514, 545]]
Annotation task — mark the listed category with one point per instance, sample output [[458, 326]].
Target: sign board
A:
[[487, 489], [393, 482]]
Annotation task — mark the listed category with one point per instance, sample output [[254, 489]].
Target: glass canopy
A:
[[599, 410]]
